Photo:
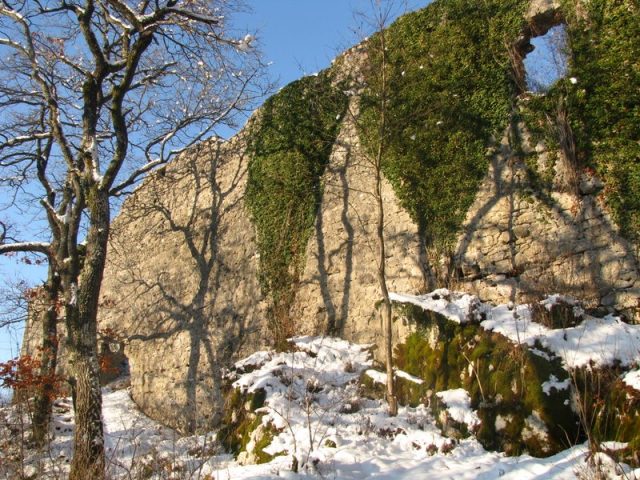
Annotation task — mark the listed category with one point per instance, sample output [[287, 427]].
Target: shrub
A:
[[22, 375]]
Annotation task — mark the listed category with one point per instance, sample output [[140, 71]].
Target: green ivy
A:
[[450, 90], [290, 148], [605, 101], [451, 95], [602, 97]]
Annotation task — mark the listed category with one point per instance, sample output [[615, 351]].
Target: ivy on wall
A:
[[451, 94], [290, 147], [605, 101], [450, 90]]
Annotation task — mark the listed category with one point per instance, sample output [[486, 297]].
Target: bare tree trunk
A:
[[88, 458], [382, 275], [386, 301], [48, 360], [74, 166]]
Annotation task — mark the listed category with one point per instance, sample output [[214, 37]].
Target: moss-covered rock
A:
[[504, 381], [260, 438], [240, 423]]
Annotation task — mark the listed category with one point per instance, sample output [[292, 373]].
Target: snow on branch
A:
[[33, 247], [24, 139]]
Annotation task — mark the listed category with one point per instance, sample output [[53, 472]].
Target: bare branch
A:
[[24, 139], [33, 247]]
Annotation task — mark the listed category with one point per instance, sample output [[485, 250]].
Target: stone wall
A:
[[519, 243], [339, 291], [181, 283]]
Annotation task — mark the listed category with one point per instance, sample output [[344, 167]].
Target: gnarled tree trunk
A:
[[48, 360], [88, 459]]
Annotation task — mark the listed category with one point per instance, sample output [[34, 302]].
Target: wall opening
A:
[[547, 59]]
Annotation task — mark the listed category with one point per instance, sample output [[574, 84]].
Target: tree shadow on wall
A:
[[573, 250], [336, 319], [183, 209], [350, 230]]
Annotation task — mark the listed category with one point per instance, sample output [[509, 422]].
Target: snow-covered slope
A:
[[595, 341], [319, 421]]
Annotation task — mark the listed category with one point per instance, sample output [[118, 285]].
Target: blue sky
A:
[[303, 36], [297, 36]]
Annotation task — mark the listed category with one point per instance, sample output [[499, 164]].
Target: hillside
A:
[[506, 197], [305, 416]]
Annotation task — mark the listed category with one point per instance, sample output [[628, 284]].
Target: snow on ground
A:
[[596, 341], [336, 433], [313, 397]]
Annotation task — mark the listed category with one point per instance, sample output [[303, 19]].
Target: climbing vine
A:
[[605, 101], [451, 90], [290, 148], [451, 95]]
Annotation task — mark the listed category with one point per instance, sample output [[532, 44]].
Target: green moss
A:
[[328, 443], [505, 383], [450, 91], [240, 419], [268, 433], [369, 388], [290, 147], [501, 378], [605, 102]]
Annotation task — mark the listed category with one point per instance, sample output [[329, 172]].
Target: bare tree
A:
[[375, 100], [94, 94]]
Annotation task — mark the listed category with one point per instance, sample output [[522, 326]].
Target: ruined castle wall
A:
[[339, 291], [519, 243], [181, 283]]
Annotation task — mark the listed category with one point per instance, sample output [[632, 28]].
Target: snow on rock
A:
[[595, 342], [376, 376], [535, 428], [409, 377], [614, 446], [458, 404], [253, 360], [319, 360], [457, 307], [381, 377], [554, 383], [632, 379], [555, 299]]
